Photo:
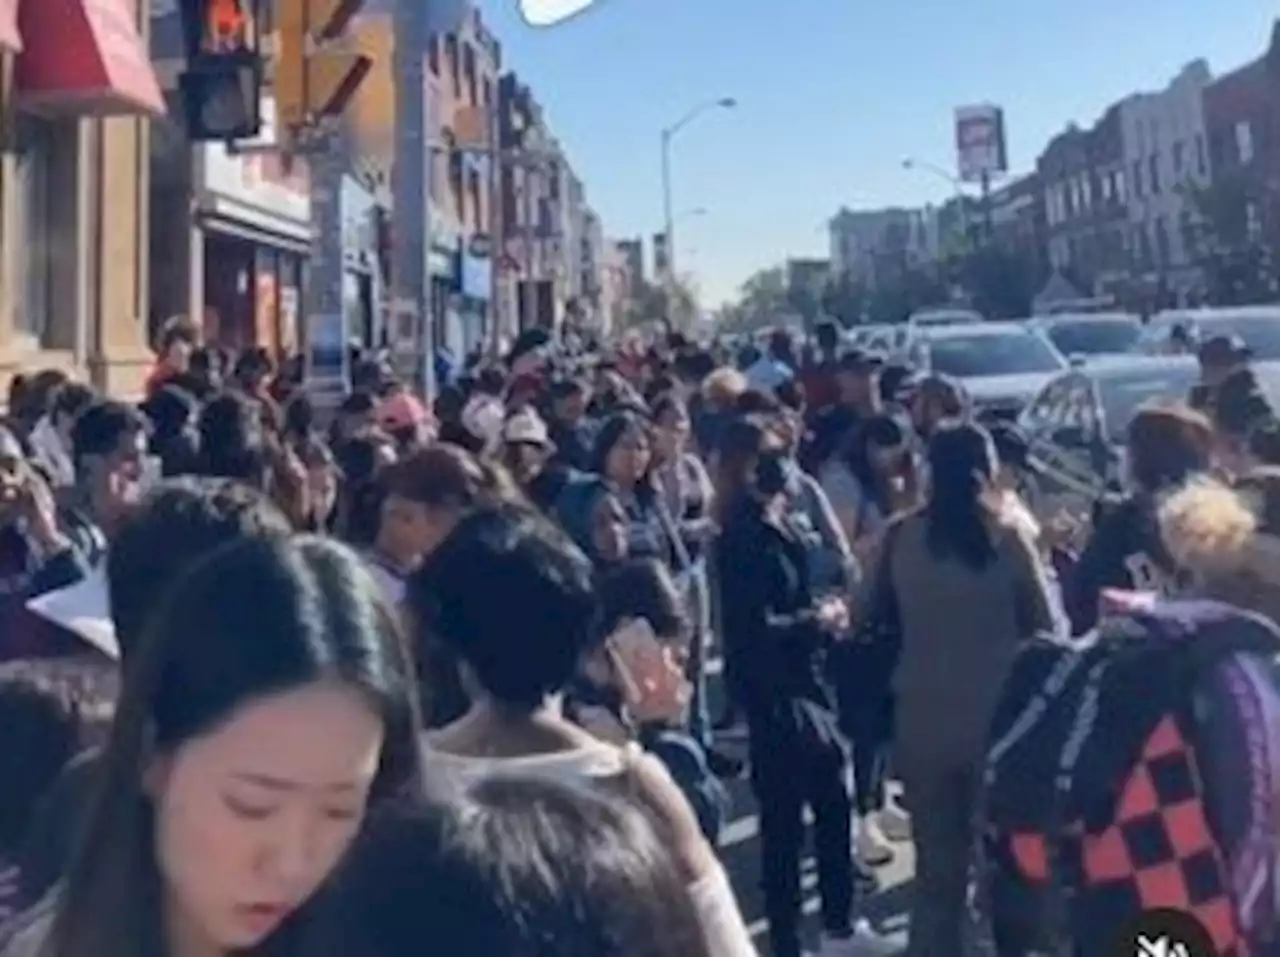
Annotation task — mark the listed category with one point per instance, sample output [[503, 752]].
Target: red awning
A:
[[84, 58], [10, 38]]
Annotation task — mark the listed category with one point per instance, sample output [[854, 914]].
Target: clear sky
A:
[[833, 94]]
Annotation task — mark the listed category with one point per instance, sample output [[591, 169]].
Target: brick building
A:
[[1086, 217], [1242, 123], [1018, 223], [75, 102]]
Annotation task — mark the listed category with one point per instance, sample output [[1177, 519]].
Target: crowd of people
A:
[[277, 679]]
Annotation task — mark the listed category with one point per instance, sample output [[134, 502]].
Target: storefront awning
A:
[[84, 58], [10, 38]]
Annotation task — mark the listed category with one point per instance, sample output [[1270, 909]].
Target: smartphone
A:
[[639, 654]]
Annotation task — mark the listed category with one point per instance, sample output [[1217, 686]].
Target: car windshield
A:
[[1261, 333], [1122, 396], [1093, 337], [1013, 353]]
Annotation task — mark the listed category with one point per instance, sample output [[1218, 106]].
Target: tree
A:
[[1225, 240], [845, 298], [650, 304], [763, 301], [1001, 282]]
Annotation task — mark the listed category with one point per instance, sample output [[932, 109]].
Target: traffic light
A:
[[222, 85], [313, 79]]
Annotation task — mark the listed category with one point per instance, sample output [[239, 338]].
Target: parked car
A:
[[1084, 336], [1258, 326], [1001, 364], [943, 316], [1076, 425]]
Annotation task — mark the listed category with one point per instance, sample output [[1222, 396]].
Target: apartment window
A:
[[469, 72], [1086, 190], [455, 183], [1202, 158], [33, 149], [473, 197], [1137, 179], [452, 64], [1179, 160], [1122, 187], [1253, 220], [1161, 233], [486, 93], [1244, 142], [1153, 171], [433, 56], [1105, 183]]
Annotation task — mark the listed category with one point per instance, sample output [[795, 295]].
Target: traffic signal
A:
[[222, 85], [313, 78]]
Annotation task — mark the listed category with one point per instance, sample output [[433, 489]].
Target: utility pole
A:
[[411, 317]]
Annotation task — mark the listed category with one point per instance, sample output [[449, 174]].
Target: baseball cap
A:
[[525, 427], [1223, 350]]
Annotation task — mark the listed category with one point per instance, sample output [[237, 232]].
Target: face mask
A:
[[771, 474]]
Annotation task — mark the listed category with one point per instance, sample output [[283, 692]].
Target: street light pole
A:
[[669, 226]]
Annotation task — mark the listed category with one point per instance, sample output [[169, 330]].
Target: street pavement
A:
[[882, 900]]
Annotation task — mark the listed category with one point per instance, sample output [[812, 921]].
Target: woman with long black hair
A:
[[979, 590], [267, 707]]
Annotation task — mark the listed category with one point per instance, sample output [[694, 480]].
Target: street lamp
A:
[[724, 103], [962, 198]]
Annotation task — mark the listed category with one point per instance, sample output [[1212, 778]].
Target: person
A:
[[109, 448], [177, 341], [776, 366], [175, 437], [570, 429], [987, 592], [623, 457], [857, 381], [778, 631], [233, 440], [177, 523], [1168, 444], [39, 732], [267, 708], [529, 455], [517, 657], [514, 866], [51, 437], [423, 499]]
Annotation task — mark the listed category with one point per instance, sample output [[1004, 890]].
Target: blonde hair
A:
[[723, 386], [1213, 532]]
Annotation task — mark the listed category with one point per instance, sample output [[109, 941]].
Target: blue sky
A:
[[833, 94]]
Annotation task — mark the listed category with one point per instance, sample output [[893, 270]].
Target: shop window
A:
[[33, 149]]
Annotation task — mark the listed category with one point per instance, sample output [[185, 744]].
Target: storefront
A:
[[253, 214], [362, 281], [442, 265], [77, 94], [476, 268]]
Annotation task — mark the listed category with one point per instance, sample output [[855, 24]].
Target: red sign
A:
[[85, 58], [10, 38]]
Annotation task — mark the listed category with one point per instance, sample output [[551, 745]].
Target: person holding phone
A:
[[778, 631]]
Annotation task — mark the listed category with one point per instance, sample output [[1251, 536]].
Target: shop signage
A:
[[328, 360], [84, 58]]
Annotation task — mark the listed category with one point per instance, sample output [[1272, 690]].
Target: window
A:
[[473, 197], [1121, 191], [469, 72], [1252, 220], [433, 56], [1105, 183], [1086, 190], [1160, 231], [1154, 172], [33, 148], [1202, 158], [1137, 179], [1244, 142], [1179, 160], [451, 62], [486, 89]]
